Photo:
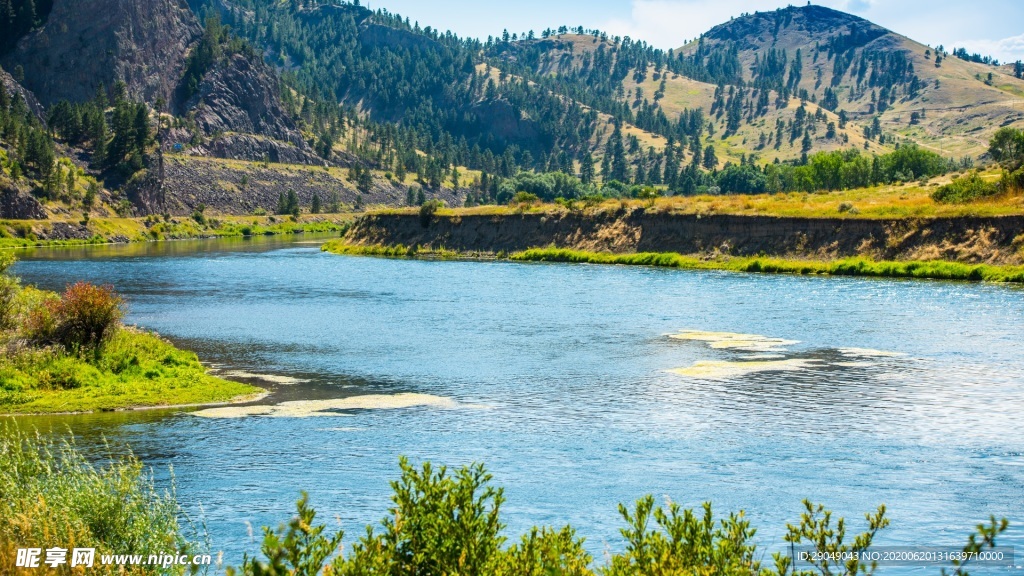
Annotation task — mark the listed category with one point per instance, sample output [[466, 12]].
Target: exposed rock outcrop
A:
[[86, 42], [13, 87], [16, 204], [240, 95], [242, 188], [237, 106]]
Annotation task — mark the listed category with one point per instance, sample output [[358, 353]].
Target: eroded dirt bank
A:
[[993, 240]]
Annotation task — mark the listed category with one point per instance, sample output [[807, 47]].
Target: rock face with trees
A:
[[76, 45]]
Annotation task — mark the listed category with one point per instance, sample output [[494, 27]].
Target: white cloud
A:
[[1006, 50], [669, 23], [858, 5]]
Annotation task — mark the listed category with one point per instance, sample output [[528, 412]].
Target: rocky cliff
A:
[[13, 87], [997, 240], [239, 188], [237, 107], [86, 42]]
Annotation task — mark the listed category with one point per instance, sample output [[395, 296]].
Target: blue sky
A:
[[994, 27]]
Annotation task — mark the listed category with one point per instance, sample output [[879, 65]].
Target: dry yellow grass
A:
[[904, 201]]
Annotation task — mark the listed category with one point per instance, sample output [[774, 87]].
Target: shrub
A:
[[525, 198], [8, 292], [81, 320], [445, 523], [427, 211], [966, 189]]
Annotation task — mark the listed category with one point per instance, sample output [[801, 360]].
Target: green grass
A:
[[21, 233], [843, 267], [136, 369], [52, 496], [857, 266], [343, 248]]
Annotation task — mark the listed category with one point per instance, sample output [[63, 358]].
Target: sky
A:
[[989, 27]]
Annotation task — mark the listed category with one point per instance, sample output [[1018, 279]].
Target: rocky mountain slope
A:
[[84, 43]]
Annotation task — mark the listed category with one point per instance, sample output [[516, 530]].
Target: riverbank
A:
[[69, 353], [136, 370], [939, 270], [42, 233], [978, 248]]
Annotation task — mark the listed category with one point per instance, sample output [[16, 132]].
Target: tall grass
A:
[[51, 496]]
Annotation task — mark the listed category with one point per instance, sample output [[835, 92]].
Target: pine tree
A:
[[292, 203], [99, 136], [587, 169], [314, 207], [710, 158], [141, 128]]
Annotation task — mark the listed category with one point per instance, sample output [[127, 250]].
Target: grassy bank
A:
[[343, 248], [911, 200], [939, 270], [136, 369], [69, 353], [29, 233]]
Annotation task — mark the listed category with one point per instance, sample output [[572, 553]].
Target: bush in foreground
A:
[[445, 523], [441, 523], [82, 320]]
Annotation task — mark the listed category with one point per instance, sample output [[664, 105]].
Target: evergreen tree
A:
[[710, 158], [587, 169]]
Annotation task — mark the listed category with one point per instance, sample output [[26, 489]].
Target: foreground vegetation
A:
[[51, 496], [450, 523], [69, 353], [441, 522]]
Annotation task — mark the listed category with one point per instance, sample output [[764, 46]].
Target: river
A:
[[560, 379]]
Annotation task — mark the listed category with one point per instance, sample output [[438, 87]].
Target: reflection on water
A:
[[907, 393]]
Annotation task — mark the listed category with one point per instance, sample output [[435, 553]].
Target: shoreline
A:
[[238, 400], [141, 230], [850, 266]]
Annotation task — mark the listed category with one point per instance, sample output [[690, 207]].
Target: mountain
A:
[[873, 72], [142, 94]]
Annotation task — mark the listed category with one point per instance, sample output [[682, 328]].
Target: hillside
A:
[[133, 108], [847, 63]]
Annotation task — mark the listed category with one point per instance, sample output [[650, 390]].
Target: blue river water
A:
[[559, 378]]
